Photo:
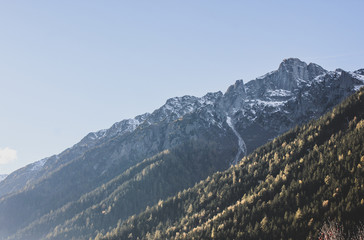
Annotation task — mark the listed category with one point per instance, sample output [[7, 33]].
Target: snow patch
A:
[[128, 125], [333, 74], [241, 143], [39, 164], [2, 177], [270, 103], [133, 124], [205, 101], [279, 93], [319, 78], [357, 88], [98, 134], [357, 76], [179, 106]]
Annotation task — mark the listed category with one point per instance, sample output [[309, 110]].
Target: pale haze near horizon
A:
[[68, 68]]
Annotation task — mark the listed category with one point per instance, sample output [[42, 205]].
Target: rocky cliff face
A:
[[291, 95], [244, 117]]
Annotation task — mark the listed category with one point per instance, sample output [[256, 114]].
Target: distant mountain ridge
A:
[[240, 120]]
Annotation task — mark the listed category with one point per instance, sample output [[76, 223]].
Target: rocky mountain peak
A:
[[292, 62], [293, 72], [234, 97], [349, 79], [359, 71], [177, 101], [315, 70], [238, 87], [290, 73], [211, 97]]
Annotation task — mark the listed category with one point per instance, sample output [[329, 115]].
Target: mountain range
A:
[[138, 162], [286, 189]]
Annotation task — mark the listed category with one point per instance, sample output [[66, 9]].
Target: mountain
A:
[[289, 86], [31, 173], [286, 189], [3, 176], [57, 196]]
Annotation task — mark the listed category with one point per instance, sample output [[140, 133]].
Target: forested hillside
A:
[[286, 189], [155, 178]]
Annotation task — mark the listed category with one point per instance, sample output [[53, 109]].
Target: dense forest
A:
[[286, 189]]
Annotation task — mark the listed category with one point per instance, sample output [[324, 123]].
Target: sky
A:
[[70, 67]]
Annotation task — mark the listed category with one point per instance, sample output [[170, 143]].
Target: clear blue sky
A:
[[71, 67]]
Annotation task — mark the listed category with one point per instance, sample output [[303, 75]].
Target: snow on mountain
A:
[[242, 147], [176, 107], [359, 74], [265, 106], [3, 176], [273, 92], [279, 93], [119, 128], [38, 165]]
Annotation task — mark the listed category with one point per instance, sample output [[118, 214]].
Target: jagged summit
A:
[[234, 97], [359, 71], [315, 70], [238, 86], [292, 62], [293, 72]]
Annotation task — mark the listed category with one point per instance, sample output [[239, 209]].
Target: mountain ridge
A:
[[286, 189], [290, 73], [245, 115]]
